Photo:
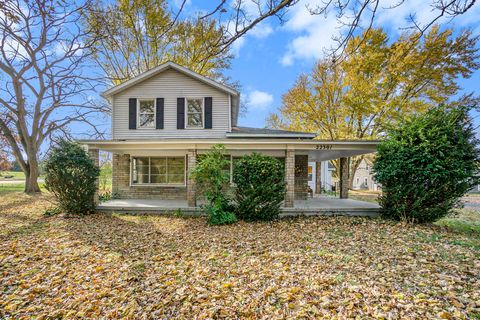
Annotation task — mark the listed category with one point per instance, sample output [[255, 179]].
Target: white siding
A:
[[171, 85], [326, 176]]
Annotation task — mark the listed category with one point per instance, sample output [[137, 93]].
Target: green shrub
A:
[[427, 164], [212, 178], [51, 212], [70, 175], [220, 212], [260, 187], [107, 196]]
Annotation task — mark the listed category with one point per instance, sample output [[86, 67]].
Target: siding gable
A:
[[171, 85]]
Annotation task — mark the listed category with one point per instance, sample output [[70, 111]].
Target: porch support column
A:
[[290, 178], [94, 154], [318, 177], [191, 162], [343, 178]]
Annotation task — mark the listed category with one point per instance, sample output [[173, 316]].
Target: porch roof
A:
[[317, 150], [249, 132]]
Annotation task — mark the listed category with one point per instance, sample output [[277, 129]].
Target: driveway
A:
[[471, 201]]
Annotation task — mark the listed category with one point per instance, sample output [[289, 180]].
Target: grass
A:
[[465, 220], [364, 195], [121, 266], [9, 188], [17, 175]]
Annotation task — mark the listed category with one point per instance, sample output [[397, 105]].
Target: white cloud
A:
[[178, 3], [259, 99], [261, 30], [398, 16], [14, 49], [314, 34], [470, 17], [237, 45], [61, 48]]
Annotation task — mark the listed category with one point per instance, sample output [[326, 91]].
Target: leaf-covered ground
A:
[[111, 266]]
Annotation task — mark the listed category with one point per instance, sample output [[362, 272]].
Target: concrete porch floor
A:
[[312, 206]]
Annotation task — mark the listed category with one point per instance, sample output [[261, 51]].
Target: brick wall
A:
[[121, 184], [289, 177], [301, 177], [191, 192]]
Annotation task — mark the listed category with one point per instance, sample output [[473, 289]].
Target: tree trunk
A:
[[31, 178]]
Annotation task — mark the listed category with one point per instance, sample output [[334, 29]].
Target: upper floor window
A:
[[194, 113], [146, 113]]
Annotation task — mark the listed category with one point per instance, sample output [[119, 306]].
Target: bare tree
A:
[[360, 15], [241, 16], [135, 37], [44, 85], [4, 10], [354, 15]]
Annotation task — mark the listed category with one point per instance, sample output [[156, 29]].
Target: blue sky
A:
[[271, 56], [269, 59]]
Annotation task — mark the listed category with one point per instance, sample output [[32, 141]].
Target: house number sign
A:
[[323, 147]]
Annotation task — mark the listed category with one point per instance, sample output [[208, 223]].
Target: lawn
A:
[[7, 188], [112, 266], [364, 195], [15, 175]]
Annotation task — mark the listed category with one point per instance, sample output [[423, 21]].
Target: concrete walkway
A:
[[333, 203], [144, 203], [312, 206]]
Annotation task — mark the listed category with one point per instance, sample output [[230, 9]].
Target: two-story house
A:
[[164, 118], [363, 178]]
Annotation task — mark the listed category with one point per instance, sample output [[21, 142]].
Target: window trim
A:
[[186, 112], [154, 113], [149, 173]]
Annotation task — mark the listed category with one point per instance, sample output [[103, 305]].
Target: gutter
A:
[[227, 141]]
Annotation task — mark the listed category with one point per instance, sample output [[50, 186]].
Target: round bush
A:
[[70, 175], [260, 187], [427, 164]]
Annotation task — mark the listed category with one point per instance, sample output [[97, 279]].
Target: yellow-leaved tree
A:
[[377, 82], [135, 36]]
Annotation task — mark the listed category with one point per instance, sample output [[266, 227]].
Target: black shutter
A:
[[208, 112], [132, 113], [180, 113], [160, 113]]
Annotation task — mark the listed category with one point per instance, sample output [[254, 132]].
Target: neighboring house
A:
[[363, 178], [326, 176], [164, 118], [475, 189]]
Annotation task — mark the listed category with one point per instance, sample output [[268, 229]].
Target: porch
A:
[[155, 175], [322, 205]]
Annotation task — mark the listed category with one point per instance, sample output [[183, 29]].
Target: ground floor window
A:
[[158, 170]]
